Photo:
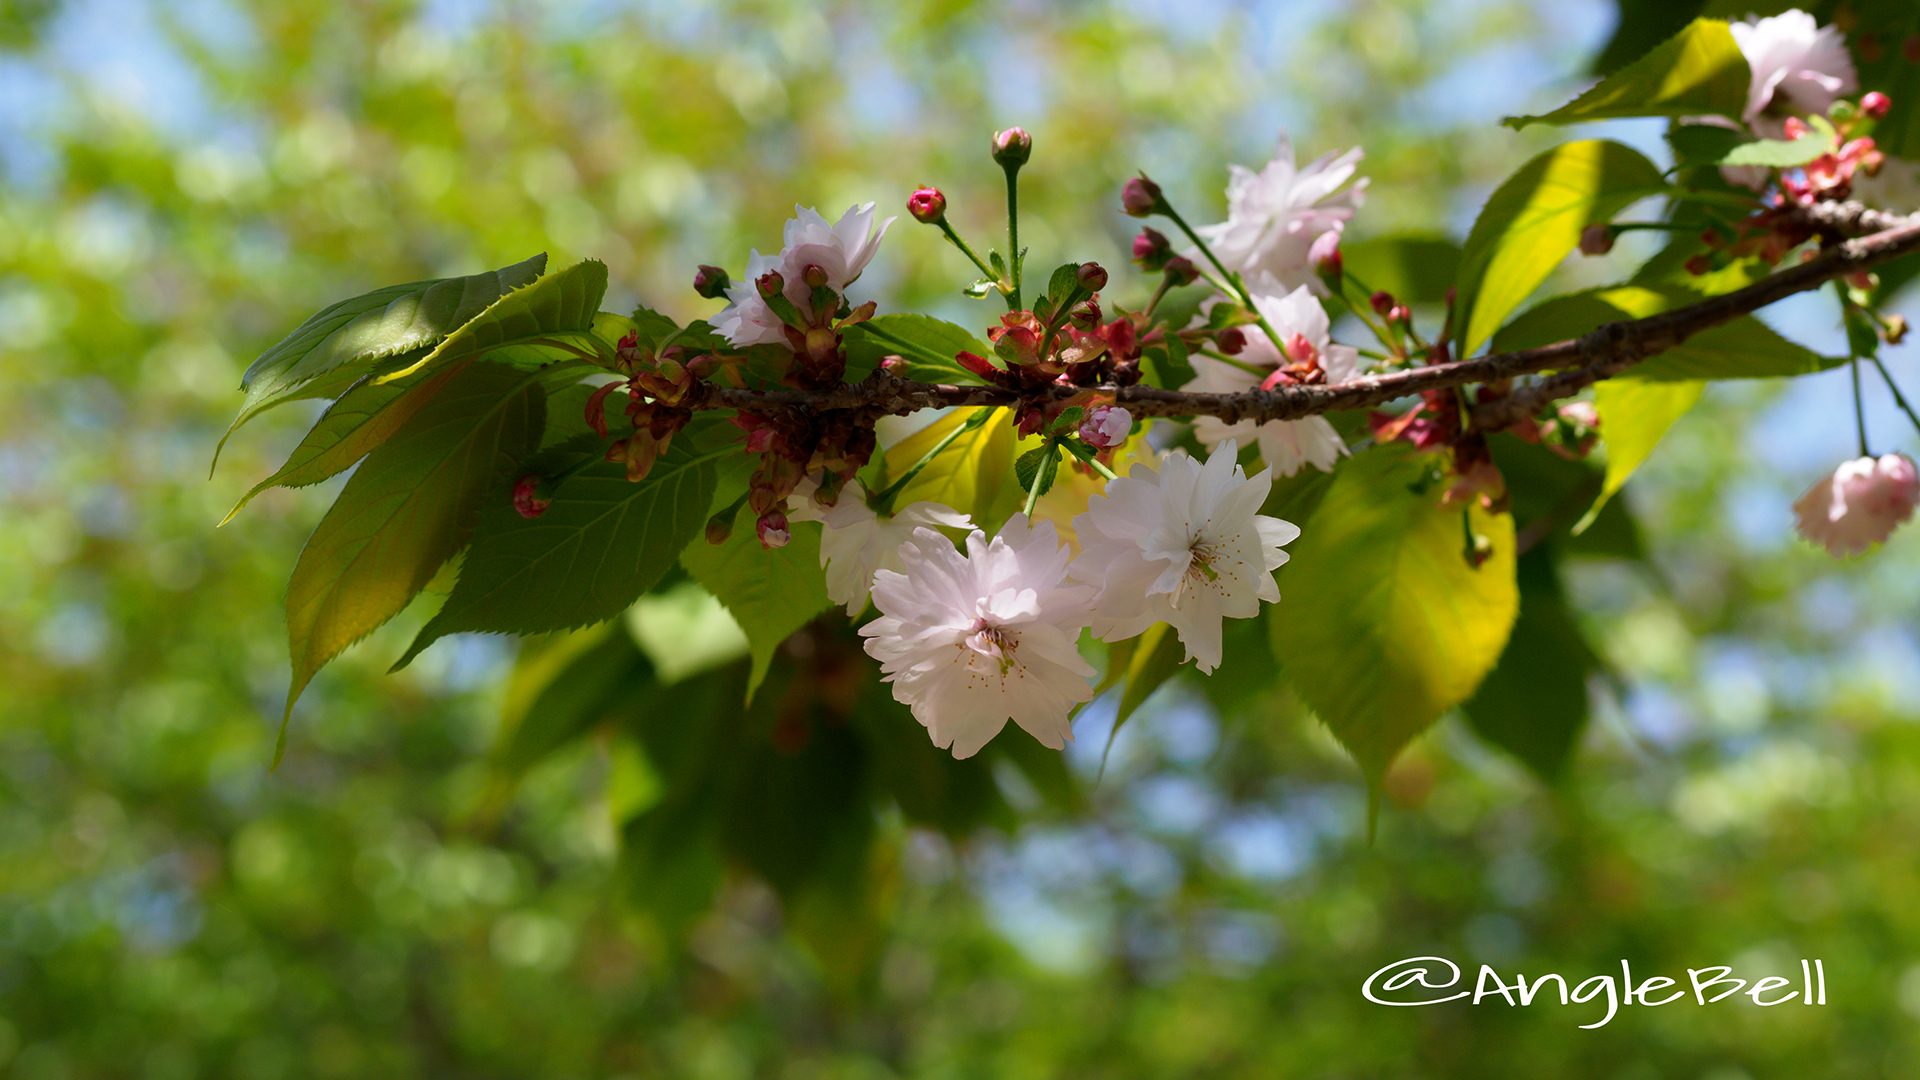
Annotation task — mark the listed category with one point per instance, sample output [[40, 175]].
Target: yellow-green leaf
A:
[[1534, 220], [1698, 71], [1634, 416], [1745, 348], [1383, 625], [547, 320], [973, 474]]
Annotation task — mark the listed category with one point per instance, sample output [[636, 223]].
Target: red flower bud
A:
[[1151, 250], [1875, 105], [1382, 302], [1698, 265], [1092, 276], [1596, 239], [527, 499], [1141, 197], [773, 530], [1012, 147], [1181, 271], [927, 205], [1399, 314], [770, 284], [1231, 340], [719, 527], [711, 282]]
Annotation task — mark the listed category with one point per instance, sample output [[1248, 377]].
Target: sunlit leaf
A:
[[550, 319], [928, 345], [1742, 349], [1382, 624], [1698, 71], [1634, 416], [1534, 220]]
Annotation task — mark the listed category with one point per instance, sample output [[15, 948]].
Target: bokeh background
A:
[[185, 181]]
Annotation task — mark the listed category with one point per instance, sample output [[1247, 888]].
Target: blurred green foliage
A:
[[439, 881]]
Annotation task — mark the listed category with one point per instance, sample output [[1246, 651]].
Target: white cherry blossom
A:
[[1798, 66], [1184, 544], [970, 641], [842, 250], [1285, 445], [855, 542], [1277, 215]]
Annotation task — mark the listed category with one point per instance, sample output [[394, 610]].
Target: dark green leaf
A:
[[601, 543], [1415, 269], [548, 320], [770, 592], [1534, 703], [407, 510]]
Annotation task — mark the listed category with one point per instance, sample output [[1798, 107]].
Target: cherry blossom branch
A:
[[1605, 351]]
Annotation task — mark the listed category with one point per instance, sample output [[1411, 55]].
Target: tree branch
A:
[[1602, 352]]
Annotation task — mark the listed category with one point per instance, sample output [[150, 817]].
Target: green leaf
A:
[[770, 592], [1699, 70], [559, 688], [1549, 493], [1415, 268], [342, 342], [928, 345], [409, 508], [1697, 145], [1634, 416], [365, 416], [1534, 220], [1745, 348], [548, 320], [1785, 153], [1383, 625], [1041, 463], [1156, 656], [1534, 704], [601, 543]]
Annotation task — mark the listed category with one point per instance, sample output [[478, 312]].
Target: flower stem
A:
[[1101, 468], [1039, 475], [953, 238], [1013, 235], [1241, 364], [1898, 398], [1234, 285], [1859, 409], [884, 500]]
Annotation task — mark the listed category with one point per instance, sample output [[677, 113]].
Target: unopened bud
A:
[[1875, 105], [1300, 350], [1106, 426], [1793, 127], [719, 527], [1141, 197], [927, 205], [1181, 271], [770, 284], [815, 276], [1896, 329], [1382, 302], [1151, 249], [1092, 276], [1698, 265], [1012, 147], [1324, 256], [1399, 314], [711, 282], [772, 529], [1596, 239], [528, 500], [1231, 340]]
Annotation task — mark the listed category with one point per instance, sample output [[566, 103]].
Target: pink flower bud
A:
[[719, 527], [1324, 255], [770, 284], [1231, 340], [1794, 127], [1875, 105], [1859, 504], [1092, 276], [772, 529], [1382, 302], [1151, 250], [1106, 426], [1300, 350], [927, 205], [1596, 239], [527, 499], [1181, 271], [711, 282], [1012, 147], [1399, 314], [1141, 197]]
